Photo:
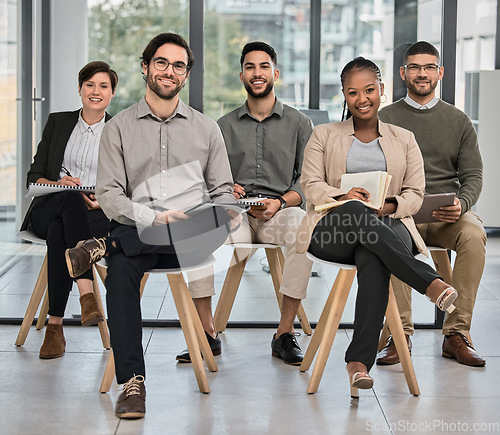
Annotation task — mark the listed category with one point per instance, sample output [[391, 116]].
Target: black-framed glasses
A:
[[414, 68], [161, 64]]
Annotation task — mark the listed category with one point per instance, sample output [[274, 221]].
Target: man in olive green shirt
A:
[[452, 163], [265, 141]]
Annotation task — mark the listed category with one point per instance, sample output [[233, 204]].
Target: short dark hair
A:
[[420, 47], [258, 46], [162, 39], [94, 67]]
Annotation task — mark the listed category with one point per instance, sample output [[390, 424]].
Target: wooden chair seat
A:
[[329, 321], [40, 290], [242, 253], [192, 328]]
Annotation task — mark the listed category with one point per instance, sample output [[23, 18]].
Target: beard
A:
[[264, 93], [423, 92], [160, 91]]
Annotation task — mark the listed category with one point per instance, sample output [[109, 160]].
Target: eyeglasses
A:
[[161, 64], [414, 68]]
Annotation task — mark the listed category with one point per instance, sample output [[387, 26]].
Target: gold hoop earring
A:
[[383, 95]]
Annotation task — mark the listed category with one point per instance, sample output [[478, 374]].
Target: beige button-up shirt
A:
[[147, 165]]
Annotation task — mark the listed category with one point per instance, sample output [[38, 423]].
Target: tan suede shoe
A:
[[90, 311], [54, 343]]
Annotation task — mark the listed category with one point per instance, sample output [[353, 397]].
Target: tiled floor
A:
[[252, 393]]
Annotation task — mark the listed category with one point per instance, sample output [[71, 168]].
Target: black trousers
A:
[[62, 219], [183, 243], [353, 234]]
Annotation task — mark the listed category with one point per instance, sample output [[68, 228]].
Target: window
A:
[[8, 104], [119, 30], [230, 24]]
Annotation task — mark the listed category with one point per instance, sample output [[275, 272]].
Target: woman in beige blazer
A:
[[379, 243]]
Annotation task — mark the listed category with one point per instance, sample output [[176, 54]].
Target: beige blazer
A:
[[324, 163]]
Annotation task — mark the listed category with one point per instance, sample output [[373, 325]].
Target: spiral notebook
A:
[[40, 189]]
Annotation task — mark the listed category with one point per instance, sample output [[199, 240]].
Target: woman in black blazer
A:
[[67, 155]]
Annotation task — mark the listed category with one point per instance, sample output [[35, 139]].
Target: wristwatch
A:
[[282, 201]]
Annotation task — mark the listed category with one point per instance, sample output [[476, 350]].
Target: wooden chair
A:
[[328, 324], [192, 328], [41, 289], [242, 253]]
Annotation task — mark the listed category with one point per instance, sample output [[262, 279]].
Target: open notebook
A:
[[375, 182]]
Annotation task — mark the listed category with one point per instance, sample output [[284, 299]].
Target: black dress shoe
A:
[[215, 345], [287, 348]]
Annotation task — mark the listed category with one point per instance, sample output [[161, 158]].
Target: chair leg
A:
[[442, 265], [34, 303], [109, 372], [396, 327], [103, 326], [107, 378], [229, 289], [44, 311], [344, 279], [330, 325], [384, 335], [275, 269], [177, 285]]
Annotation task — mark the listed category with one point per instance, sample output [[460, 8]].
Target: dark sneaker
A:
[[132, 401], [54, 343], [86, 252], [287, 348], [215, 345]]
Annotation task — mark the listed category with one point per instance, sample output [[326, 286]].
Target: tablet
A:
[[431, 203]]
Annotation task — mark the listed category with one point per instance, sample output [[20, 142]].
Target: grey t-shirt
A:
[[365, 157]]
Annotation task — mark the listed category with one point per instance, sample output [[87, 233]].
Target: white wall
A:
[[69, 51], [488, 206]]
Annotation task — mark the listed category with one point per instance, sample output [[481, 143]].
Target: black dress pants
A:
[[183, 243], [62, 219], [353, 234]]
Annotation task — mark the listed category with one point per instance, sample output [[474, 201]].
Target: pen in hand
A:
[[73, 180]]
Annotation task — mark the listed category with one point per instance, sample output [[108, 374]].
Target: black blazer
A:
[[50, 152]]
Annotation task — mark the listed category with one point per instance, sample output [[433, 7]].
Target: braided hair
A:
[[359, 63]]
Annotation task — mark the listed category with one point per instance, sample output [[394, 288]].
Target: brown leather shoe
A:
[[132, 401], [389, 355], [86, 252], [54, 343], [459, 348], [90, 311]]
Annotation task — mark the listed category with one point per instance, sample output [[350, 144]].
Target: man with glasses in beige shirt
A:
[[157, 159]]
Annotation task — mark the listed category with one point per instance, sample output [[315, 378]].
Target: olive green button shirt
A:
[[147, 165], [266, 156]]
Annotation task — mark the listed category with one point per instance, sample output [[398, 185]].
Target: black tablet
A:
[[431, 203]]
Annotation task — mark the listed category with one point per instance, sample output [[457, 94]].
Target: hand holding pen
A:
[[68, 179], [356, 193]]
